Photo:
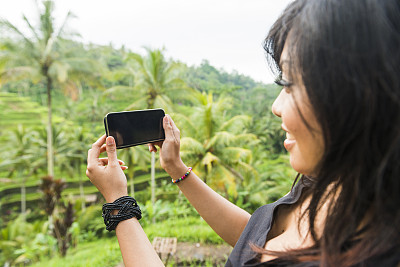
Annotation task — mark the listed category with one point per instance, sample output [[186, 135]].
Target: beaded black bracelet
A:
[[127, 208]]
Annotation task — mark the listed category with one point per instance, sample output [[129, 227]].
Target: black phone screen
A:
[[131, 128]]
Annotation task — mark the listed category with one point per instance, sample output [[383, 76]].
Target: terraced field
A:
[[10, 194], [16, 110]]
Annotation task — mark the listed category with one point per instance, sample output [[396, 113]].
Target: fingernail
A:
[[110, 141]]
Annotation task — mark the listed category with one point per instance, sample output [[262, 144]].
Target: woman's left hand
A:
[[106, 173]]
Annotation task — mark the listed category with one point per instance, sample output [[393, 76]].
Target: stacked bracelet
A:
[[183, 177], [127, 208]]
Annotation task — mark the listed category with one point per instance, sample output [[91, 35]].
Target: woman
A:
[[339, 64]]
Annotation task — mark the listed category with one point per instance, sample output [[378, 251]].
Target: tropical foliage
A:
[[218, 146], [43, 55], [229, 137]]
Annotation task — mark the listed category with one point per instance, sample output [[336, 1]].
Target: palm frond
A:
[[9, 26], [236, 124], [33, 30], [18, 73], [140, 103], [237, 154], [120, 90], [185, 124], [164, 102], [190, 158], [135, 157], [46, 21], [224, 179], [59, 70], [224, 103], [61, 30], [220, 139], [83, 64], [192, 145], [247, 139], [208, 160], [248, 171]]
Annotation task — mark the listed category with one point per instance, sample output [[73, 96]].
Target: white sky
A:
[[228, 33]]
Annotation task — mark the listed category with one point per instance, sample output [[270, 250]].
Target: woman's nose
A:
[[277, 105]]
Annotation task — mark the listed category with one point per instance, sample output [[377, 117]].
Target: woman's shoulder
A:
[[256, 230]]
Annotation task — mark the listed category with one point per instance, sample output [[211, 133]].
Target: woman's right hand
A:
[[170, 158], [106, 173]]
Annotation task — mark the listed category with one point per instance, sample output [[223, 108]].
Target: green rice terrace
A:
[[229, 137], [25, 237]]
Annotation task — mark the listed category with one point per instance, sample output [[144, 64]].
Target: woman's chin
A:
[[299, 165]]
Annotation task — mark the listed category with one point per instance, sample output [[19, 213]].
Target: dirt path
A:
[[196, 251]]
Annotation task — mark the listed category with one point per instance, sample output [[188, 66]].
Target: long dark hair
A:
[[348, 55]]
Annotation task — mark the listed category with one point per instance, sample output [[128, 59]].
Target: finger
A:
[[94, 152], [171, 131], [167, 127], [124, 168], [171, 121], [99, 141], [103, 148], [105, 161], [111, 151], [152, 148], [177, 133]]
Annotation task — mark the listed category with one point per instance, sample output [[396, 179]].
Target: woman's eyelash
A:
[[281, 82]]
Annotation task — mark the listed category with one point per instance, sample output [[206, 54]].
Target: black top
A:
[[257, 229]]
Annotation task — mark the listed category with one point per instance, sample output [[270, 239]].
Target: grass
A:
[[104, 252], [190, 229]]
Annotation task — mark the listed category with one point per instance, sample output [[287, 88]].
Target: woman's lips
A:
[[289, 141], [288, 144]]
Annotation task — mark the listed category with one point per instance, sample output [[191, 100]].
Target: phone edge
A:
[[136, 144], [106, 124]]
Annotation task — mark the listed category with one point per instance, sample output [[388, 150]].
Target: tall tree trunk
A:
[[23, 198], [82, 193], [50, 158], [153, 182], [206, 174], [23, 193], [132, 186]]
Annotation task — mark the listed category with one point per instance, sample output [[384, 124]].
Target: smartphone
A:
[[132, 128]]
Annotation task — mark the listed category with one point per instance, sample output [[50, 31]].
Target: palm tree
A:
[[44, 55], [218, 147], [2, 64], [157, 81], [157, 84], [76, 155], [19, 159], [62, 145], [135, 158]]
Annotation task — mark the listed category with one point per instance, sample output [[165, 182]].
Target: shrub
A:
[[23, 242]]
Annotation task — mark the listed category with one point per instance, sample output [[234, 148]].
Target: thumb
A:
[[111, 151]]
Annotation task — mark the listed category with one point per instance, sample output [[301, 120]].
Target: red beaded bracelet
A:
[[183, 177]]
